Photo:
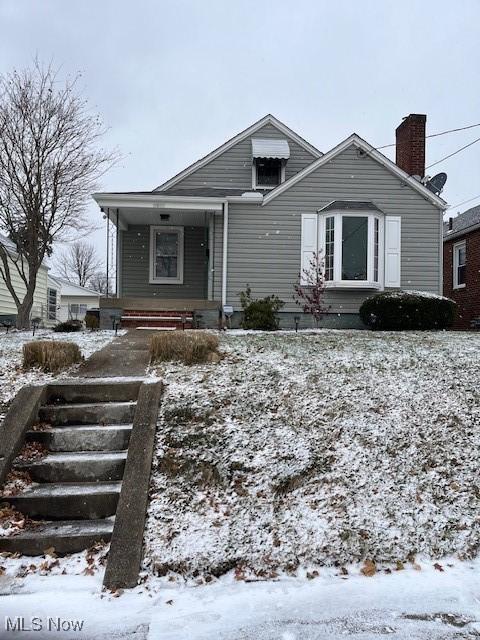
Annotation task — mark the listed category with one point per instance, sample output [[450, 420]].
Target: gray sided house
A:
[[255, 210]]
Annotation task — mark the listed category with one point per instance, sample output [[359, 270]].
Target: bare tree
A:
[[98, 282], [79, 263], [310, 289], [49, 164]]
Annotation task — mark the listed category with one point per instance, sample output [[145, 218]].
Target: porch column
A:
[[225, 253], [211, 248]]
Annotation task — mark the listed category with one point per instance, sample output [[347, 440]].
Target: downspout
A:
[[225, 254]]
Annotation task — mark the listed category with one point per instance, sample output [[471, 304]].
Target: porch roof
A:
[[124, 205]]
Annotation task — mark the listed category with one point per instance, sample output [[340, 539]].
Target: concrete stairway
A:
[[85, 428]]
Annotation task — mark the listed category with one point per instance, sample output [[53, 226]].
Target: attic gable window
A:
[[269, 157], [268, 173]]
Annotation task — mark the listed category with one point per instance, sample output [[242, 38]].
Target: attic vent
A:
[[270, 148]]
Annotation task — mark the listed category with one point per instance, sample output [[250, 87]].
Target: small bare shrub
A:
[[185, 346], [50, 355]]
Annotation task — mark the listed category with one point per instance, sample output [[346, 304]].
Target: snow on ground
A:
[[423, 603], [300, 451], [12, 377]]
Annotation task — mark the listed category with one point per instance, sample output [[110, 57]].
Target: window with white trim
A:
[[459, 264], [52, 304], [77, 310], [166, 255], [352, 245]]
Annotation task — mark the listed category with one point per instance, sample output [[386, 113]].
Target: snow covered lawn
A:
[[300, 451], [12, 377]]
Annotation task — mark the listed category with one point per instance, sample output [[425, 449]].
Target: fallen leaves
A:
[[369, 568], [31, 451]]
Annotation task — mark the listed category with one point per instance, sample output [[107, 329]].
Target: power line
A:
[[431, 135], [453, 154], [464, 202]]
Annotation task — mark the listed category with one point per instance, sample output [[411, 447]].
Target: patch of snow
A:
[[423, 603], [317, 449], [13, 377]]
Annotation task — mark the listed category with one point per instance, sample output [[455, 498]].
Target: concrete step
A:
[[91, 391], [83, 437], [76, 467], [88, 413], [88, 500], [65, 537]]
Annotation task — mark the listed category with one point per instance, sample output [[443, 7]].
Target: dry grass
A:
[[189, 347], [50, 355]]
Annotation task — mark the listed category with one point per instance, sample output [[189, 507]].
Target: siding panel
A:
[[7, 304], [264, 242], [135, 252], [233, 168]]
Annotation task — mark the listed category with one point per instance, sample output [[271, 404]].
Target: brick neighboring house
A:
[[461, 265]]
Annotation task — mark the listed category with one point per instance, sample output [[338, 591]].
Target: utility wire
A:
[[431, 135], [464, 202], [453, 154]]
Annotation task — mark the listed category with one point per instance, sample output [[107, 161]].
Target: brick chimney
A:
[[410, 144]]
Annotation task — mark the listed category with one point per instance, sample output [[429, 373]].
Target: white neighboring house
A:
[[68, 301], [40, 302]]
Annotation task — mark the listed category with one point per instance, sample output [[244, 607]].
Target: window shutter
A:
[[392, 250], [309, 241]]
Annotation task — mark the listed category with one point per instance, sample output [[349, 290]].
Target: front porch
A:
[[167, 247]]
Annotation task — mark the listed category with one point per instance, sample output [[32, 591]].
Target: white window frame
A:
[[456, 251], [180, 257], [52, 310], [269, 187], [338, 216]]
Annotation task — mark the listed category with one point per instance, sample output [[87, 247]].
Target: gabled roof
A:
[[268, 119], [467, 221], [349, 205], [71, 289], [363, 145]]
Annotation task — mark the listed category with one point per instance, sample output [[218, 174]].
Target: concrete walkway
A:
[[126, 355]]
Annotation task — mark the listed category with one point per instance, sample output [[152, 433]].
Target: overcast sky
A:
[[175, 79]]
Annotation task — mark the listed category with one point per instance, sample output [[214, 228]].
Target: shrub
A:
[[185, 346], [403, 310], [68, 327], [50, 355], [260, 313], [91, 322]]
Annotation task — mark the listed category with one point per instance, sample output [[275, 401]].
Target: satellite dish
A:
[[436, 184]]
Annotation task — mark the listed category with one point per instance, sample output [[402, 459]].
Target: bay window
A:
[[351, 245], [166, 255]]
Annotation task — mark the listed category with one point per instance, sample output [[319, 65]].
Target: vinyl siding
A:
[[135, 252], [264, 242], [65, 302], [7, 304], [233, 168]]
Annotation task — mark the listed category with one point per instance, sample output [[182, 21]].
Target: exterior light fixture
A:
[[296, 319]]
